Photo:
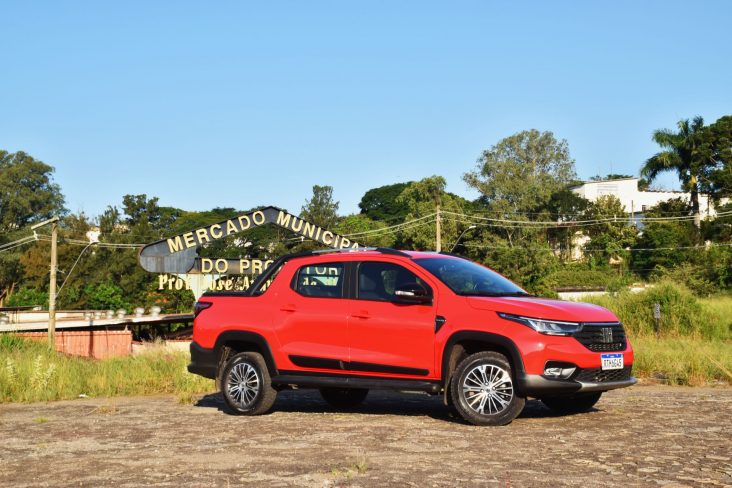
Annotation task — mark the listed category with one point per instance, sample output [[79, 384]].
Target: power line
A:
[[372, 231], [575, 223], [637, 249], [74, 266], [9, 246], [80, 242]]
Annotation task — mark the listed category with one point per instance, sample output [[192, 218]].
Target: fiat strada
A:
[[349, 321]]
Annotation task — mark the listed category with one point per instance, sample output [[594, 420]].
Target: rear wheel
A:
[[246, 384], [483, 392], [344, 397], [577, 403]]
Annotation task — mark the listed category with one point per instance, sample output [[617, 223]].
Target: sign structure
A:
[[178, 254]]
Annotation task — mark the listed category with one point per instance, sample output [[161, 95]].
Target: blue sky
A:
[[238, 104]]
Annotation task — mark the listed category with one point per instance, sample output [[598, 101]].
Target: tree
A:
[[610, 237], [368, 232], [321, 209], [665, 237], [681, 153], [564, 206], [420, 199], [518, 176], [27, 191], [716, 150], [381, 203], [27, 195], [522, 171]]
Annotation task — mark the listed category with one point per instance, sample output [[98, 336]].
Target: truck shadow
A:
[[377, 403]]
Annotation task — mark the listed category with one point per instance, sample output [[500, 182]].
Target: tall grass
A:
[[682, 314], [683, 361], [693, 345], [31, 371]]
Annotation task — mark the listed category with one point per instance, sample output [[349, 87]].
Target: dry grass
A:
[[30, 371]]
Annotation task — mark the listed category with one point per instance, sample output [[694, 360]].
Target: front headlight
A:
[[548, 327]]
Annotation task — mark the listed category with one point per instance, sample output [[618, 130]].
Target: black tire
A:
[[494, 392], [246, 385], [577, 403], [344, 398]]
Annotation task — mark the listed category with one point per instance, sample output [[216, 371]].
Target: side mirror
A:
[[412, 293]]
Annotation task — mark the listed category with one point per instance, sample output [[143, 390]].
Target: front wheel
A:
[[246, 384], [483, 391], [577, 403]]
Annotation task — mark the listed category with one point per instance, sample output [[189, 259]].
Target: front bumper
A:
[[537, 386], [204, 362]]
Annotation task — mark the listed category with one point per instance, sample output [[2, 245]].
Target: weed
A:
[[361, 465], [106, 410]]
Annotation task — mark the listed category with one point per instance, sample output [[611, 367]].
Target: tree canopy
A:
[[27, 191], [321, 209], [681, 154], [716, 151], [381, 203], [521, 172]]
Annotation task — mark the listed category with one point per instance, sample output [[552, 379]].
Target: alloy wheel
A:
[[488, 389]]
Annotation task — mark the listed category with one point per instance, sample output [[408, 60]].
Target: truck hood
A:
[[544, 308]]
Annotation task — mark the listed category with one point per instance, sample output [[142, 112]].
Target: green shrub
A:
[[105, 296], [25, 297], [690, 275], [682, 314]]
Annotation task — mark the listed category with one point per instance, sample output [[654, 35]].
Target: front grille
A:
[[597, 375], [602, 337]]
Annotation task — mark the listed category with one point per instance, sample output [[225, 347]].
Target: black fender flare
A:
[[488, 338], [230, 336]]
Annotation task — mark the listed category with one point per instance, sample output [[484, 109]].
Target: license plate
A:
[[612, 361]]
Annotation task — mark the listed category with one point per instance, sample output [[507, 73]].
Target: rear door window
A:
[[320, 280]]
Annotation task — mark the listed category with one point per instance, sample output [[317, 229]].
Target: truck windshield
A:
[[470, 279]]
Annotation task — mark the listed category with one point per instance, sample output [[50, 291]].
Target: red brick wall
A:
[[99, 344]]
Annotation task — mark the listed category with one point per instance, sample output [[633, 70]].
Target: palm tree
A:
[[680, 154]]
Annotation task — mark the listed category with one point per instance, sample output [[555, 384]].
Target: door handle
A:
[[288, 308], [363, 314]]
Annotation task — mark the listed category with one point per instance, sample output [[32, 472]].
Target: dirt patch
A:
[[642, 436]]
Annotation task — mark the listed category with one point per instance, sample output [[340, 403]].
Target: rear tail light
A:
[[200, 307]]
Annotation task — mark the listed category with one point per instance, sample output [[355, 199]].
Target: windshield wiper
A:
[[499, 294]]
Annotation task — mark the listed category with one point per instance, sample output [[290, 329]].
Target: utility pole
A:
[[438, 236], [52, 281], [52, 286]]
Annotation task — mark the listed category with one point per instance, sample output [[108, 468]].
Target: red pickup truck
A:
[[346, 322]]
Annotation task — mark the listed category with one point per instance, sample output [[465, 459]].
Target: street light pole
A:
[[52, 281], [461, 236]]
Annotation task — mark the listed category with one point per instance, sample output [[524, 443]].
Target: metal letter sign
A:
[[178, 254]]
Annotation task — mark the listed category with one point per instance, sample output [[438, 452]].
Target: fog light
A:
[[559, 372]]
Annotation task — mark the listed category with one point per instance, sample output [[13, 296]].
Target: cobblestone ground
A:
[[642, 436]]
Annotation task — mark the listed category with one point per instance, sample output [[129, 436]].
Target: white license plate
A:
[[612, 361]]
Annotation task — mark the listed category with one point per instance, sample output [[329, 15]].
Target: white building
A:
[[635, 201]]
